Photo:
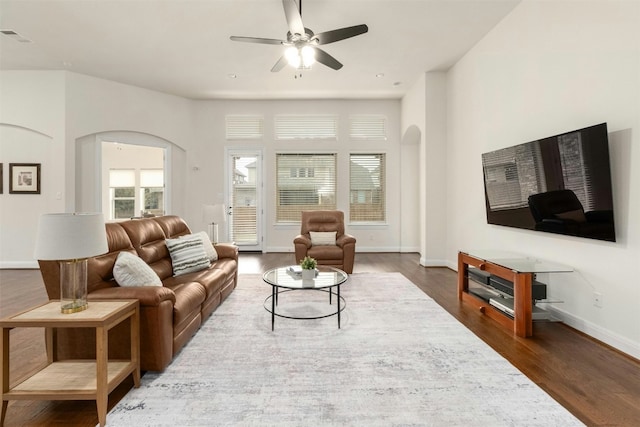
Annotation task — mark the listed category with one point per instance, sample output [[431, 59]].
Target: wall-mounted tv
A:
[[560, 184]]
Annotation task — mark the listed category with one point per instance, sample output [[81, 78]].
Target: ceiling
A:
[[182, 47]]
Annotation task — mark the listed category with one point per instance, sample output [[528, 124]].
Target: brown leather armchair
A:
[[341, 255]]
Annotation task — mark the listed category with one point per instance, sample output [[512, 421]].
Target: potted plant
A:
[[308, 266]]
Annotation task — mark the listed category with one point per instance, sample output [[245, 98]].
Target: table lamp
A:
[[214, 215], [71, 238]]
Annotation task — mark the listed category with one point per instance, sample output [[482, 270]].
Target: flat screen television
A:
[[560, 184]]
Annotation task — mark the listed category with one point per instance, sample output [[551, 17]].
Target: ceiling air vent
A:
[[12, 34]]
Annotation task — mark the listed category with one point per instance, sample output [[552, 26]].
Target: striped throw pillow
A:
[[187, 255]]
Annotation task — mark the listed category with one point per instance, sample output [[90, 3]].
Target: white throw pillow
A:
[[323, 238], [206, 243], [131, 270], [187, 255]]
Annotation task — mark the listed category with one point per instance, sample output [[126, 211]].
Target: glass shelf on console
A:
[[519, 263]]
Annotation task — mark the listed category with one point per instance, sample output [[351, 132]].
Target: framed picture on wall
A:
[[24, 178]]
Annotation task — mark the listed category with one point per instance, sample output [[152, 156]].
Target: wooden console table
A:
[[74, 379], [517, 269]]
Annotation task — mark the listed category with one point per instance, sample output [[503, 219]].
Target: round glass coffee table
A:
[[328, 279]]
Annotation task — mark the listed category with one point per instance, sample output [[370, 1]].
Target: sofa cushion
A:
[[131, 270], [187, 255], [189, 298], [206, 243]]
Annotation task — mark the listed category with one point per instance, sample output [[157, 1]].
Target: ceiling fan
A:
[[302, 44]]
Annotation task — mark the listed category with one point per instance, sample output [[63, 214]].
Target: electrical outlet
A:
[[597, 299]]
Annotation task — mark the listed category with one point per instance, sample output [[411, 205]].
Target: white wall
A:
[[413, 199], [548, 68], [96, 106], [32, 130], [45, 114]]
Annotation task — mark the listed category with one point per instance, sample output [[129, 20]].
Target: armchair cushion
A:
[[131, 270], [323, 238]]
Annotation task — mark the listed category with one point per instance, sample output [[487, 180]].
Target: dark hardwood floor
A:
[[598, 384]]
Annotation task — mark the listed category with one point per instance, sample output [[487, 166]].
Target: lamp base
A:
[[74, 307], [73, 286], [212, 231]]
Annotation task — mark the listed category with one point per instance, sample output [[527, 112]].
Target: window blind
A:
[[306, 127], [368, 127], [367, 188], [244, 127], [304, 182], [122, 178], [151, 178]]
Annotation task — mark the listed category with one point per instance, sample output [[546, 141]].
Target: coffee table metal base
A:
[[272, 301]]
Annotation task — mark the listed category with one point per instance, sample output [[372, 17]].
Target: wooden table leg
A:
[[4, 361], [523, 325], [102, 355], [135, 345]]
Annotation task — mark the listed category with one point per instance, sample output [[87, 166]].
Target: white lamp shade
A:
[[214, 214], [66, 236]]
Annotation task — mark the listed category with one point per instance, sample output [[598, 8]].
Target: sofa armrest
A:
[[345, 239], [226, 250], [149, 296]]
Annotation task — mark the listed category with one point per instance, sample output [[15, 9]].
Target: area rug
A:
[[399, 359]]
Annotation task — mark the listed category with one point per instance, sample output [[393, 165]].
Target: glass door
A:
[[244, 198]]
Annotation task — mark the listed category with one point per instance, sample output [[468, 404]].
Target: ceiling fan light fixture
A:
[[293, 57], [300, 57], [308, 55]]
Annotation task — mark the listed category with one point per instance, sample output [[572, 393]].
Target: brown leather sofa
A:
[[341, 255], [169, 315]]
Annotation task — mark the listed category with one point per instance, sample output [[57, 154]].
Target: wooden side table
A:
[[74, 379]]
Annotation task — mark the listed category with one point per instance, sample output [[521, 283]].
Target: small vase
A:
[[308, 275]]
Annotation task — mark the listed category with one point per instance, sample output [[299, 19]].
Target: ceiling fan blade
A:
[[326, 59], [280, 64], [294, 19], [256, 40], [340, 34]]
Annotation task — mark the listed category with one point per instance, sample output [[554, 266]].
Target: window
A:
[[306, 127], [244, 127], [368, 127], [367, 188], [304, 182], [122, 193], [124, 184], [152, 191]]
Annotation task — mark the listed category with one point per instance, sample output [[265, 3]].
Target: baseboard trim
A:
[[612, 339], [19, 265], [433, 262], [285, 249]]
